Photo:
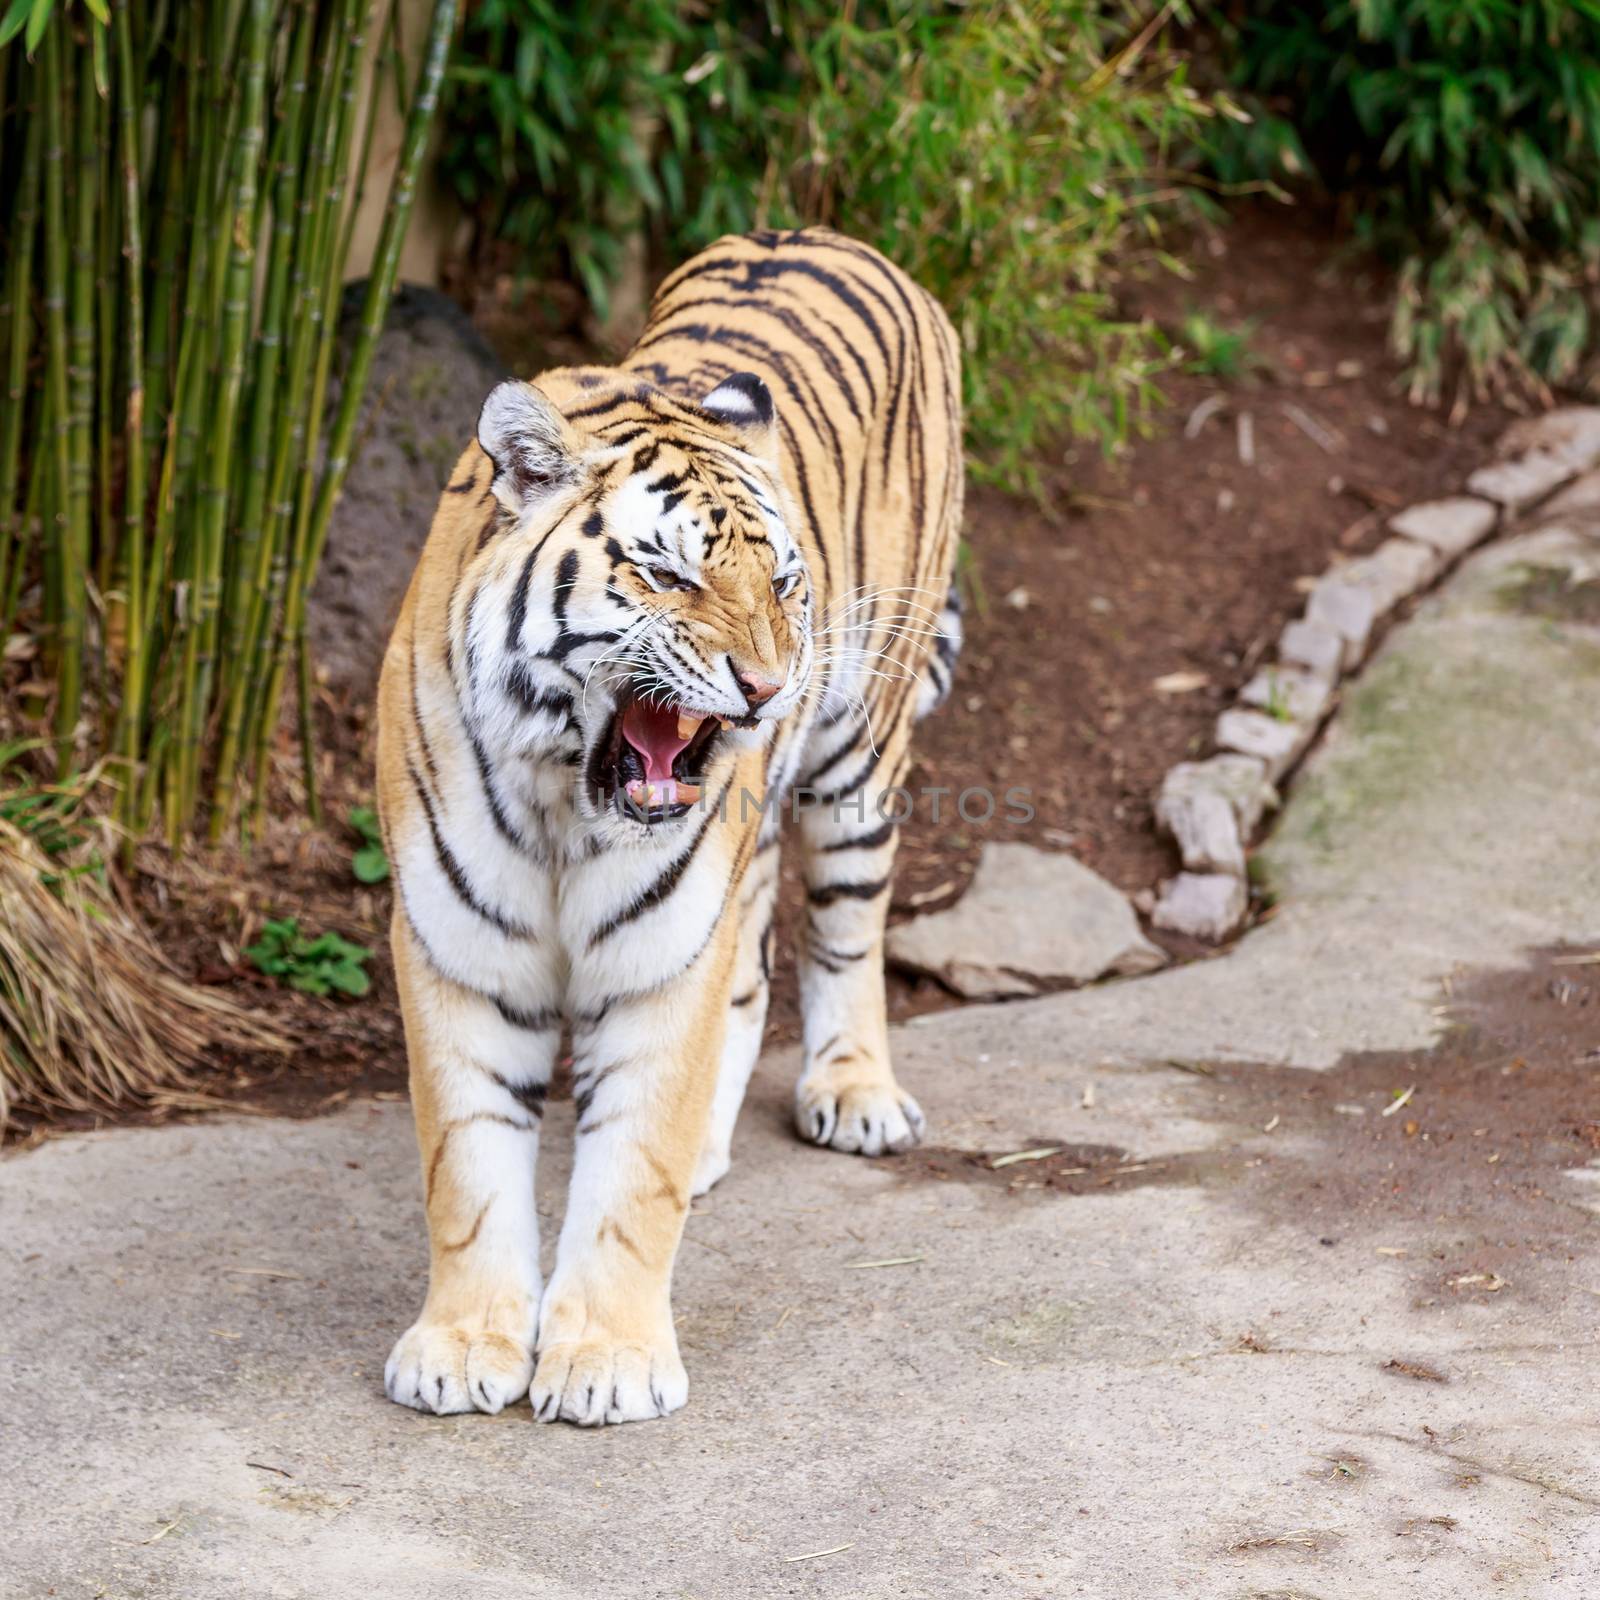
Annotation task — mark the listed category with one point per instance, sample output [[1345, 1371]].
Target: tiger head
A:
[[654, 572]]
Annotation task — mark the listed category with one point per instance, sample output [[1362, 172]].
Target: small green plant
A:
[[1210, 349], [369, 863], [1277, 706], [323, 963]]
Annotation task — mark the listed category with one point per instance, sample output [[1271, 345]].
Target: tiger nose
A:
[[757, 691]]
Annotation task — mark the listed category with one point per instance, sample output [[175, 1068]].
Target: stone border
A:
[[1212, 809]]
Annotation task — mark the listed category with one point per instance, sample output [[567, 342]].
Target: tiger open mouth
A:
[[652, 760]]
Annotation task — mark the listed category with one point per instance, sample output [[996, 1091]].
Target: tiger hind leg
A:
[[847, 1097], [938, 671]]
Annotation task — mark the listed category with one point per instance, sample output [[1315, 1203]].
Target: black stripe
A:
[[841, 958], [586, 1086], [866, 841], [416, 717], [858, 781], [813, 409], [502, 823], [826, 894], [566, 577], [564, 646], [665, 883], [531, 699], [540, 1021], [530, 1096], [794, 325], [518, 613], [454, 874]]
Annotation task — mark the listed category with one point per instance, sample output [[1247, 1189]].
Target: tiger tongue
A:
[[659, 734]]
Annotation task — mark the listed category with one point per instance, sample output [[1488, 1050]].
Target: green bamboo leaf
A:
[[14, 21], [38, 21]]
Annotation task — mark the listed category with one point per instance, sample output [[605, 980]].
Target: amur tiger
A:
[[662, 606]]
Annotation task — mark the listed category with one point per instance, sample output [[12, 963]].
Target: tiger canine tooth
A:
[[688, 726], [688, 794]]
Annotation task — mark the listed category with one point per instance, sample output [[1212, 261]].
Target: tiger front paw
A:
[[445, 1368], [596, 1381], [593, 1368]]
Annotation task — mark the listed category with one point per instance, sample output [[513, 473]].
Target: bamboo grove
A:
[[178, 187]]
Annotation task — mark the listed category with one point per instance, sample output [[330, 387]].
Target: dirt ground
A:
[[1479, 1128], [1182, 555]]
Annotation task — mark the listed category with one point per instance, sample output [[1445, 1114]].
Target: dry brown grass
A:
[[92, 1014]]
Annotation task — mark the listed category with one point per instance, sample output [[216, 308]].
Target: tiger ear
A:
[[743, 403], [530, 443]]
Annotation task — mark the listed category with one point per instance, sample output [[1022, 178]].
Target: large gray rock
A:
[[1031, 922], [1211, 808], [1539, 455], [430, 373], [1451, 526]]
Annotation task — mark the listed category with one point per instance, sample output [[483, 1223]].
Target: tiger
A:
[[664, 608]]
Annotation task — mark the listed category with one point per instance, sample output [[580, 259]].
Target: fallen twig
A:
[[1326, 439], [1402, 1099], [811, 1555], [1025, 1155]]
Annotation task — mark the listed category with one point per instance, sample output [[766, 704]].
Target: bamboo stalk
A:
[[321, 290], [74, 552], [19, 320], [213, 506], [58, 490], [341, 39], [135, 666], [380, 286], [172, 176], [256, 537], [108, 224], [209, 199]]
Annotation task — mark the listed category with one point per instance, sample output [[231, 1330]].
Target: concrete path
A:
[[1231, 1341]]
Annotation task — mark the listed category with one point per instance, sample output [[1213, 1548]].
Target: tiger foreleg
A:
[[747, 1014], [644, 1072], [478, 1083]]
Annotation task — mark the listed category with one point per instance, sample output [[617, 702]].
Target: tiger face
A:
[[676, 592]]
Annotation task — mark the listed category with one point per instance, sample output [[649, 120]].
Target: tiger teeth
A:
[[688, 726], [668, 792]]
